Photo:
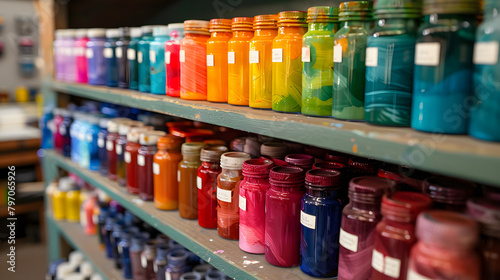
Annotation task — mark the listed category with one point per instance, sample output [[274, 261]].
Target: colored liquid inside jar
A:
[[133, 66], [110, 147], [109, 53], [187, 176], [143, 59], [145, 154], [122, 61], [130, 153], [101, 144], [172, 64], [157, 59], [238, 61], [80, 57], [95, 57], [217, 74]]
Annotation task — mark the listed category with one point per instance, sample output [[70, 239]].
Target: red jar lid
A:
[[370, 189], [404, 206], [403, 174], [363, 164], [301, 160], [487, 213], [323, 178], [330, 165], [337, 157], [286, 174], [277, 162], [258, 166], [448, 190]]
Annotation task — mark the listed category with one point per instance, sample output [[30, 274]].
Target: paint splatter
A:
[[218, 251], [355, 148], [250, 262], [211, 240], [261, 266], [244, 257], [138, 201]]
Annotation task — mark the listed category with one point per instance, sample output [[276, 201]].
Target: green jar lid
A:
[[398, 9], [292, 18], [356, 10], [464, 7], [323, 14]]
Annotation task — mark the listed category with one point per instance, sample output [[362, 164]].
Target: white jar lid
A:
[[161, 30], [96, 32], [135, 32], [135, 132], [81, 33], [112, 33], [66, 184], [233, 160], [150, 137], [125, 126], [113, 124]]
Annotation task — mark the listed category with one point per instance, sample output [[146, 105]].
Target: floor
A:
[[31, 261]]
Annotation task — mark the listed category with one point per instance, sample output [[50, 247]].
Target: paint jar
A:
[[145, 154], [303, 161], [130, 154], [283, 216], [359, 166], [78, 135], [349, 60], [202, 269], [187, 176], [111, 137], [317, 58], [176, 264], [207, 185], [442, 85], [190, 276], [172, 63], [101, 144], [332, 156], [389, 62], [274, 150], [56, 132], [133, 66], [112, 36], [157, 59], [193, 60], [120, 145], [160, 263], [395, 234], [115, 240], [124, 250], [404, 174], [147, 259], [359, 220], [136, 248], [59, 54], [79, 51], [96, 63], [320, 216], [217, 55], [165, 164], [69, 56], [228, 182], [287, 63], [215, 274], [91, 158], [260, 58], [487, 213], [74, 134], [143, 58], [87, 214], [238, 61], [485, 115], [64, 129], [59, 198], [445, 248], [121, 54], [252, 204], [448, 193]]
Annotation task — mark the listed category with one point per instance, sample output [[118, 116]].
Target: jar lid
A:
[[322, 14], [161, 30], [487, 213], [292, 18], [370, 188], [363, 164], [113, 124], [398, 9], [112, 33], [404, 206], [169, 140], [197, 27], [147, 29], [242, 24], [238, 144], [81, 33], [220, 25], [265, 22], [274, 150], [124, 31], [150, 137], [192, 148], [233, 160], [177, 257], [258, 166], [331, 166], [323, 178], [286, 174], [96, 32], [135, 32], [447, 229], [337, 157], [176, 26], [448, 190], [301, 160], [125, 126], [465, 7], [69, 33], [192, 276], [212, 153], [134, 133], [66, 184], [356, 10]]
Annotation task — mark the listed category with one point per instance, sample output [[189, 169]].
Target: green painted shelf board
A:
[[454, 155], [89, 246], [223, 254]]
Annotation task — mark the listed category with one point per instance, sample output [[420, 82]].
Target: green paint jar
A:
[[317, 61], [349, 60]]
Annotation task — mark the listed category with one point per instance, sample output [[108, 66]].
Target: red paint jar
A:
[[145, 155], [110, 146], [301, 160], [130, 158]]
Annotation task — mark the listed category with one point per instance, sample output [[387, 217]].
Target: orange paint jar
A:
[[238, 61], [193, 60], [187, 176], [221, 33], [165, 164], [260, 58]]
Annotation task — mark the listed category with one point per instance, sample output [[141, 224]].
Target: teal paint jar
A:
[[133, 66], [143, 58], [442, 84], [317, 58], [157, 59], [390, 56], [349, 60], [485, 115], [112, 36]]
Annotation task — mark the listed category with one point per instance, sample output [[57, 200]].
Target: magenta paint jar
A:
[[448, 193], [283, 201], [252, 203], [301, 160], [80, 50], [69, 56], [359, 220], [446, 247]]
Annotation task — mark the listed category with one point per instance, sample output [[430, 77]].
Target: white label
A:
[[127, 157], [131, 54], [118, 149], [427, 54], [224, 195], [107, 52], [109, 145], [306, 54], [378, 261], [182, 56], [139, 57], [392, 267], [167, 57], [307, 220], [155, 267], [371, 57], [198, 182], [118, 52], [230, 57], [210, 60], [486, 53], [277, 55], [243, 203], [253, 56], [348, 240], [167, 275], [178, 175], [81, 136], [337, 53], [62, 130], [100, 143], [141, 161], [152, 56], [144, 261], [89, 53], [120, 249], [156, 168], [89, 138], [412, 275]]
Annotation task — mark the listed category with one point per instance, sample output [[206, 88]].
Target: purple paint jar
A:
[[58, 54], [95, 57]]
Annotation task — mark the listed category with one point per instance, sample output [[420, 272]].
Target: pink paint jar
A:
[[80, 56], [282, 233], [446, 247], [252, 204]]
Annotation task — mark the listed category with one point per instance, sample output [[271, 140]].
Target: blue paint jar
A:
[[124, 250], [108, 231], [112, 36], [135, 34], [90, 141], [64, 129], [101, 147], [160, 264], [157, 59], [115, 240], [74, 134], [143, 58], [176, 263], [390, 56], [95, 56], [320, 223], [121, 57], [442, 85], [485, 117]]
